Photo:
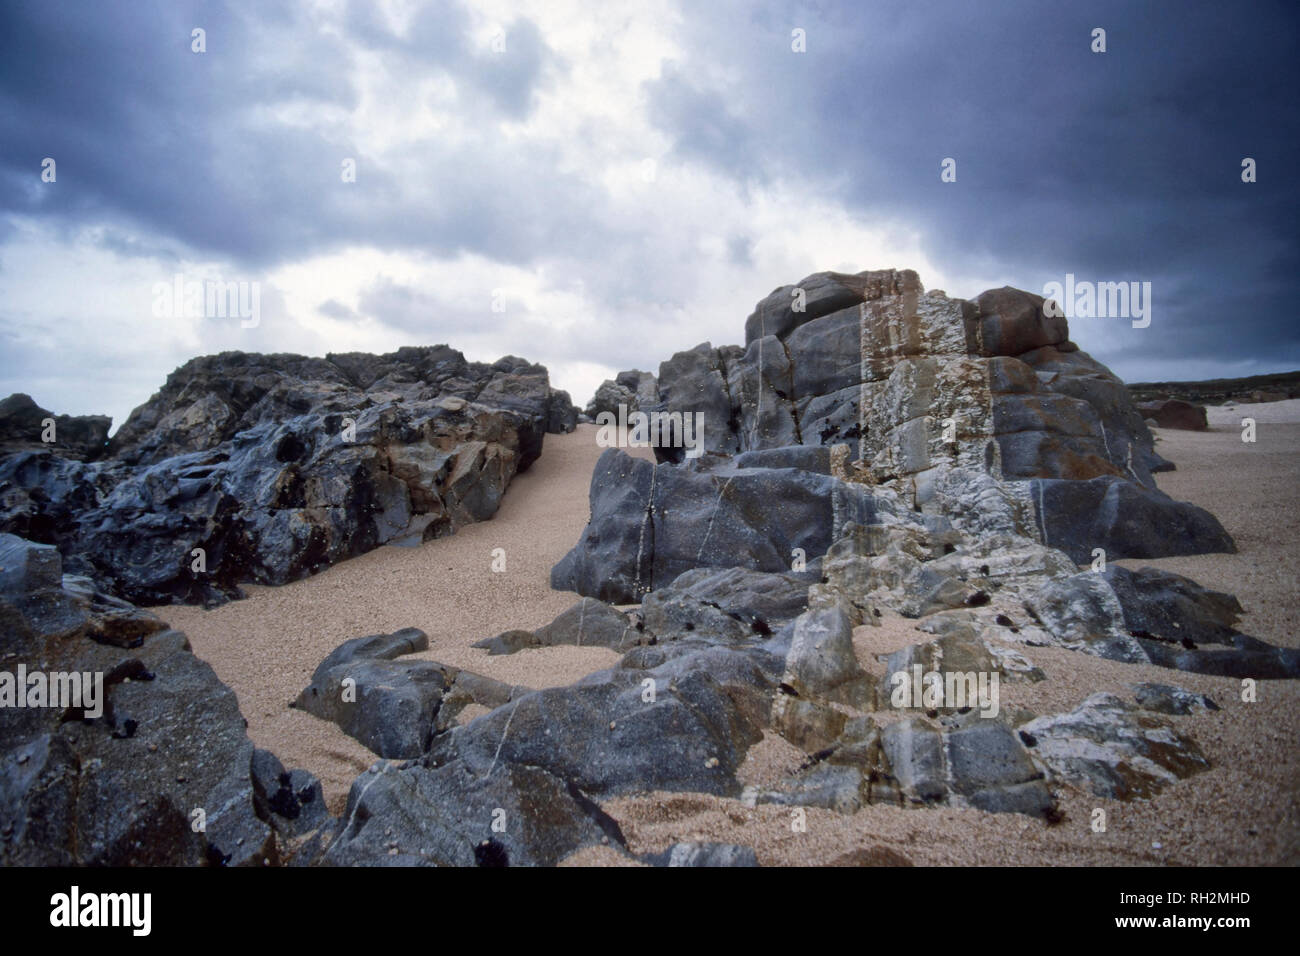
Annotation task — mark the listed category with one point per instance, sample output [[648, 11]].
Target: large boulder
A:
[[149, 764], [1175, 413], [651, 523], [268, 468]]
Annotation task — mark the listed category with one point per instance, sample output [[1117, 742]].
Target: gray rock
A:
[[703, 854], [1108, 747], [650, 524], [162, 776]]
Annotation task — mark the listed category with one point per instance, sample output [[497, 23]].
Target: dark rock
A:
[[395, 708], [1174, 413], [23, 428], [650, 524], [589, 623], [157, 771]]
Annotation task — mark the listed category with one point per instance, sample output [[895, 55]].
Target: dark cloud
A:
[[179, 145], [1122, 165]]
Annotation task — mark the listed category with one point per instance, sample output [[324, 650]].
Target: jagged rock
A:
[[982, 764], [270, 468], [703, 854], [650, 523], [1111, 749], [1167, 699], [23, 428], [1175, 413], [449, 814], [395, 708], [290, 801], [1153, 616], [589, 623], [635, 390], [821, 662], [919, 386], [725, 606], [161, 775]]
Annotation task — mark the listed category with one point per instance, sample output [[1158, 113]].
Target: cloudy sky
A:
[[598, 185]]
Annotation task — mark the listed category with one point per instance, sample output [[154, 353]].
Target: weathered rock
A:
[[395, 708], [157, 770], [651, 523], [447, 814], [1167, 699], [733, 605], [1111, 749], [1175, 413], [270, 468], [25, 426], [703, 854], [634, 390], [589, 623], [1153, 616]]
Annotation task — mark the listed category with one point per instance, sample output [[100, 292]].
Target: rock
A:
[[1113, 750], [268, 468], [589, 623], [1012, 322], [1153, 616], [1174, 413], [450, 815], [1167, 699], [727, 606], [821, 662], [24, 426], [605, 736], [161, 775], [651, 523], [291, 801], [703, 854], [635, 390], [1122, 518], [395, 708]]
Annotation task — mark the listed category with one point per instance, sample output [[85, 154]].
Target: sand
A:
[[266, 646], [1245, 810]]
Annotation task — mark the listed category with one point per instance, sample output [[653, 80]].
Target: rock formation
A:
[[156, 769], [268, 468]]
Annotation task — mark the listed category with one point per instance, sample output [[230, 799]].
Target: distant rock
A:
[[25, 426], [1173, 413], [633, 389]]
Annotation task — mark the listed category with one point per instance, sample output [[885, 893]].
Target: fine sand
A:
[[1245, 810]]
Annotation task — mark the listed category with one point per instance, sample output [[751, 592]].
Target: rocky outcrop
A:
[[25, 426], [634, 390], [154, 767], [253, 468]]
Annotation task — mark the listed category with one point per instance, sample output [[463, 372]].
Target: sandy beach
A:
[[1245, 810]]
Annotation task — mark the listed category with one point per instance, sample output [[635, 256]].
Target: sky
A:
[[596, 186]]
